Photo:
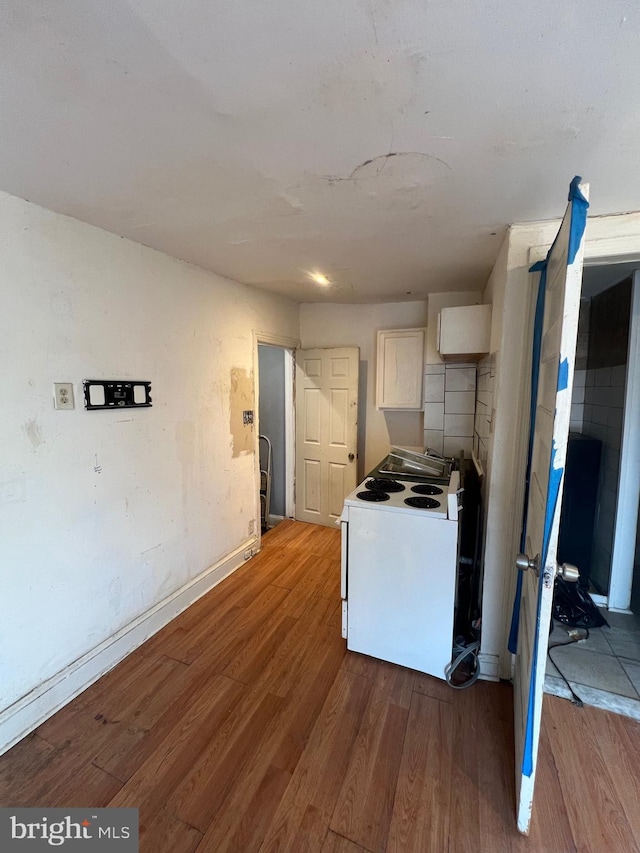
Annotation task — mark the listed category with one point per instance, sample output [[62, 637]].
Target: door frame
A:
[[289, 345], [626, 523], [617, 250], [598, 251]]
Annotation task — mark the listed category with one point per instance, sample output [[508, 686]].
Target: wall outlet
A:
[[247, 416], [252, 526], [63, 395], [248, 554]]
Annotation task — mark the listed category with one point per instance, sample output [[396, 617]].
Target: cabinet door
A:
[[399, 369], [464, 331]]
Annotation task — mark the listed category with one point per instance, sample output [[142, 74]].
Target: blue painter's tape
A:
[[535, 372], [563, 375], [574, 190], [527, 751], [579, 207], [555, 477]]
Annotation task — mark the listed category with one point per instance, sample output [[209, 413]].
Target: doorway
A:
[[599, 527], [276, 442], [605, 425]]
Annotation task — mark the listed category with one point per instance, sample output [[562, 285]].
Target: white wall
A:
[[336, 325], [106, 514]]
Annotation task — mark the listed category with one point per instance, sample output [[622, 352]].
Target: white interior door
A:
[[562, 279], [326, 431]]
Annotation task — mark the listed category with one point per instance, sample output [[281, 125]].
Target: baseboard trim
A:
[[489, 667], [27, 713]]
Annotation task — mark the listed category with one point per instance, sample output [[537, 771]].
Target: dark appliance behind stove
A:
[[470, 553]]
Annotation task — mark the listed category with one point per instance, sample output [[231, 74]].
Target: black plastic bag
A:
[[573, 606]]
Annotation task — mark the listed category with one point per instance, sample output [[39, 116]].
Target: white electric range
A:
[[399, 571]]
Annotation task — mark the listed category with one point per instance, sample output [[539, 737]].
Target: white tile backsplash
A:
[[613, 396], [579, 379], [458, 425], [613, 437], [611, 459], [434, 388], [614, 418], [619, 375], [459, 402], [577, 395], [450, 406], [483, 413], [460, 379], [433, 438], [481, 423], [454, 444], [599, 415], [434, 416], [484, 398]]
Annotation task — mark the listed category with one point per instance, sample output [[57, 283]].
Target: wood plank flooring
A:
[[245, 726]]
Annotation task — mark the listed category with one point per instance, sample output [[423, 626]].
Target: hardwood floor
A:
[[245, 726]]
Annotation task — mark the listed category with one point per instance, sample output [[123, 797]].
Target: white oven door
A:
[[401, 587]]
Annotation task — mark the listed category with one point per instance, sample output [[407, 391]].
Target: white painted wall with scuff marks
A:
[[106, 513]]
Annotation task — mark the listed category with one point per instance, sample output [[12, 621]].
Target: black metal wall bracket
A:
[[116, 394]]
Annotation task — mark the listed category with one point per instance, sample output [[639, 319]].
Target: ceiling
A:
[[384, 143]]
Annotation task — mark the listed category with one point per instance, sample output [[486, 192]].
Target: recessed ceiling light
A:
[[320, 278]]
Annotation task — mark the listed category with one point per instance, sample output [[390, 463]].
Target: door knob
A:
[[569, 572], [351, 457], [523, 563]]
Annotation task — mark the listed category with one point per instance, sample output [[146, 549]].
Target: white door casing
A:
[[548, 455], [626, 524], [326, 431]]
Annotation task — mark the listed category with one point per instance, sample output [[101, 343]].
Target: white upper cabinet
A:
[[464, 333], [399, 369]]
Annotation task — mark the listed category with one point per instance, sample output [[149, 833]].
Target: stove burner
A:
[[424, 489], [378, 484], [422, 503], [372, 495]]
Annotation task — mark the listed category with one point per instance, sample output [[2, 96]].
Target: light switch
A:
[[63, 395]]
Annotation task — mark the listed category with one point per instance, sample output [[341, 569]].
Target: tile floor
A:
[[603, 670]]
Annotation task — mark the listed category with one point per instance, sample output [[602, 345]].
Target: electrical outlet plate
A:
[[63, 395]]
